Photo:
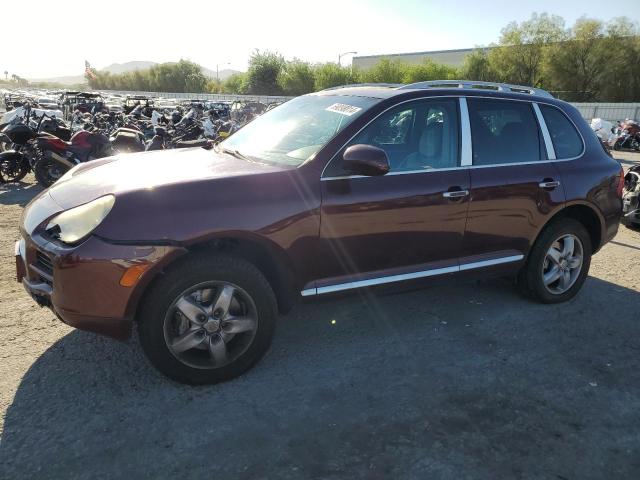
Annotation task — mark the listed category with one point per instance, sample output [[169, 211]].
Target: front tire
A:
[[13, 170], [558, 263], [208, 320], [48, 171]]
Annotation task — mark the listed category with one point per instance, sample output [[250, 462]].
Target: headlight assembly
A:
[[75, 224]]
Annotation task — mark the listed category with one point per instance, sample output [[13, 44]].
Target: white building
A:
[[454, 58]]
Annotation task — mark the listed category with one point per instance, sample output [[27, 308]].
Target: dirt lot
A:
[[457, 381]]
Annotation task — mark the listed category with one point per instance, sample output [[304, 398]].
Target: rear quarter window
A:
[[566, 140]]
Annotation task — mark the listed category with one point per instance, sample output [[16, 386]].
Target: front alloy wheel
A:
[[210, 325], [207, 319]]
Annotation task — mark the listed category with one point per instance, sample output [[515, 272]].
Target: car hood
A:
[[149, 170]]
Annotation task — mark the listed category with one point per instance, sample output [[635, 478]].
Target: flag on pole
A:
[[88, 71]]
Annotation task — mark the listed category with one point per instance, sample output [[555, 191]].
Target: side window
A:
[[418, 135], [392, 129], [503, 131], [566, 140]]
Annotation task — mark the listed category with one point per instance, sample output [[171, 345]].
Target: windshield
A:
[[296, 130]]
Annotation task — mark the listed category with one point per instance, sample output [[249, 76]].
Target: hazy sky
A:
[[54, 38]]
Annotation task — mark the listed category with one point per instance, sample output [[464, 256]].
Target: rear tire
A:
[[165, 319], [554, 281]]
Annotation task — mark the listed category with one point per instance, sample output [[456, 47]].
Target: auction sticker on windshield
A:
[[343, 109]]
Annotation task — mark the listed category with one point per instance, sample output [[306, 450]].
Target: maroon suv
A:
[[343, 189]]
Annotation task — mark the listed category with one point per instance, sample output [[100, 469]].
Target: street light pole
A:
[[343, 54]]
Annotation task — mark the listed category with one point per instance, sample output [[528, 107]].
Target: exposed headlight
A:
[[75, 224]]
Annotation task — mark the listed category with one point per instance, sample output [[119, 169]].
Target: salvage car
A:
[[348, 188], [631, 198]]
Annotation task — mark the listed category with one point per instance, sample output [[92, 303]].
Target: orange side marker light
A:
[[133, 274]]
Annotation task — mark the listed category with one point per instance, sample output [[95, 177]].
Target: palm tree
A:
[[5, 74]]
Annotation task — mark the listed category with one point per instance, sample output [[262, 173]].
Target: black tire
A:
[[191, 272], [530, 279], [13, 171], [44, 169]]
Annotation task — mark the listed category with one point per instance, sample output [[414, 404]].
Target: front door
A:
[[408, 222]]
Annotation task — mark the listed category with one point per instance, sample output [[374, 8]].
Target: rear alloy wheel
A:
[[558, 263], [562, 264], [207, 320]]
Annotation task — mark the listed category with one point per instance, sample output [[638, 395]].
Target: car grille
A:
[[43, 263]]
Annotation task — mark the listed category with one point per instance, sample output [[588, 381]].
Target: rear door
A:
[[515, 185]]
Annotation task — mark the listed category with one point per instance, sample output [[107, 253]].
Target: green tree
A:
[[329, 75], [385, 71], [264, 72], [476, 67], [236, 83], [520, 57], [428, 70], [297, 78], [576, 64], [621, 77], [184, 77]]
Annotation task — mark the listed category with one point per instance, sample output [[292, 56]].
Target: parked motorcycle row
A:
[[37, 137], [623, 135]]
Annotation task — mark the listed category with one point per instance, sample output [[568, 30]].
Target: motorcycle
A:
[[629, 136], [604, 130], [57, 156], [19, 154], [631, 197], [162, 140]]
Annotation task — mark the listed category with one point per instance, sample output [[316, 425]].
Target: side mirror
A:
[[365, 160]]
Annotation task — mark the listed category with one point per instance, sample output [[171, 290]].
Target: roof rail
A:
[[500, 87], [385, 85]]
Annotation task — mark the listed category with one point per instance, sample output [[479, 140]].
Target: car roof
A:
[[382, 91], [439, 88]]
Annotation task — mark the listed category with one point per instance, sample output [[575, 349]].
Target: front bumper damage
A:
[[82, 285]]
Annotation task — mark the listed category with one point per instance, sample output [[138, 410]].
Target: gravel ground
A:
[[456, 381]]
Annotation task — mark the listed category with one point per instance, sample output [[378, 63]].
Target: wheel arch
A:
[[268, 257], [586, 214]]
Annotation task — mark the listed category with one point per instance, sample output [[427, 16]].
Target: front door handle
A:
[[456, 194], [551, 184]]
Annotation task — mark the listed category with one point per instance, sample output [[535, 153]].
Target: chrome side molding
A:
[[409, 276]]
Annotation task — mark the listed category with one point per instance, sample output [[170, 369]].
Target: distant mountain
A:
[[69, 80], [117, 68], [224, 74]]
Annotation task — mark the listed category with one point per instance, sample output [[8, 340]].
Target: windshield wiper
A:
[[236, 153]]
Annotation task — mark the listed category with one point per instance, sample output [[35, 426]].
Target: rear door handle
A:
[[549, 184], [456, 194]]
